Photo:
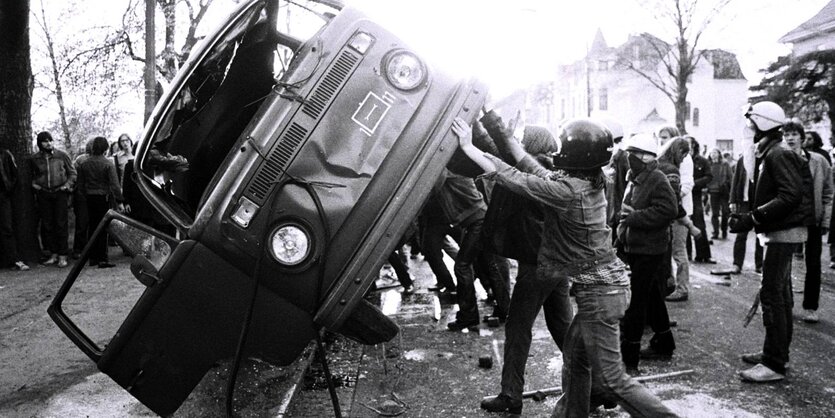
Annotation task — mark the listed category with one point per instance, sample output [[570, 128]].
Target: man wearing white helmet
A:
[[779, 216], [649, 207]]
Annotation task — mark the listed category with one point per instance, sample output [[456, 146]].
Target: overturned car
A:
[[290, 158]]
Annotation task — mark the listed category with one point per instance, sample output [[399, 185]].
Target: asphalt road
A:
[[426, 370]]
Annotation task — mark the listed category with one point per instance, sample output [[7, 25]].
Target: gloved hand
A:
[[741, 222], [500, 133]]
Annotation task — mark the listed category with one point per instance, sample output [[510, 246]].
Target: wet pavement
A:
[[428, 371]]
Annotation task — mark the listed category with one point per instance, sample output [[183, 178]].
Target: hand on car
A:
[[463, 131]]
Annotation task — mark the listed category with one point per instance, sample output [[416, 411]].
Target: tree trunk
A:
[[150, 61], [169, 56], [56, 77], [15, 116]]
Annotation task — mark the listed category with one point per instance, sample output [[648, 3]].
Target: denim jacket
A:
[[576, 237]]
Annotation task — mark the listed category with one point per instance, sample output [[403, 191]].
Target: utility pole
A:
[[150, 59]]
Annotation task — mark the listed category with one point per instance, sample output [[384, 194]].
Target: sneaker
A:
[[62, 261], [810, 316], [21, 266], [502, 403], [106, 265], [51, 260], [677, 297], [760, 374], [458, 325]]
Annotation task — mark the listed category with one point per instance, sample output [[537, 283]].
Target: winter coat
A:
[[647, 229], [782, 194], [721, 182]]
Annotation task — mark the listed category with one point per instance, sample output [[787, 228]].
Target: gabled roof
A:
[[599, 43], [653, 116], [822, 22], [725, 64]]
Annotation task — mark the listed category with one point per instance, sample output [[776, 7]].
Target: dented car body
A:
[[290, 165]]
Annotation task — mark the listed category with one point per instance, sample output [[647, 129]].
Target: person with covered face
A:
[[53, 178], [649, 207], [576, 244], [780, 217]]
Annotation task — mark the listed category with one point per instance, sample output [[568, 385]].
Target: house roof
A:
[[823, 21], [725, 64], [653, 116]]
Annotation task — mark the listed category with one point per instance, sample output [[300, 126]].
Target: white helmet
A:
[[766, 115], [642, 143], [614, 126]]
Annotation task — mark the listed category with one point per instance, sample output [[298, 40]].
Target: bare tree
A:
[[668, 67], [15, 122], [58, 90]]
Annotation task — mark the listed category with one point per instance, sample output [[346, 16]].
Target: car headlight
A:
[[404, 70], [290, 244]]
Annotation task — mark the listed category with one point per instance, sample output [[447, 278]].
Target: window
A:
[[725, 145], [590, 99], [603, 99], [603, 65], [687, 111], [562, 109], [696, 116]]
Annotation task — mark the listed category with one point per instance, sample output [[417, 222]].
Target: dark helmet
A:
[[584, 145]]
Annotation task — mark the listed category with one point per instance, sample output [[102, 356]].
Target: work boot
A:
[[62, 261], [458, 325], [502, 403], [596, 401], [630, 352], [810, 316], [677, 297]]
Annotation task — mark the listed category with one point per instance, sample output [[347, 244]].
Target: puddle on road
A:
[[421, 355], [695, 404]]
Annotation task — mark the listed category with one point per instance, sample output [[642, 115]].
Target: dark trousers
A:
[[719, 206], [698, 218], [647, 305], [400, 268], [464, 272], [776, 301], [52, 208], [82, 221], [8, 244], [432, 246], [494, 271], [812, 287], [740, 242], [97, 207], [547, 290]]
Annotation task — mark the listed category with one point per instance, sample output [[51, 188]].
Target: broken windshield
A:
[[209, 108]]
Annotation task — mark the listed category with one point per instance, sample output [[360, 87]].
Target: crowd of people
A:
[[89, 185], [614, 222]]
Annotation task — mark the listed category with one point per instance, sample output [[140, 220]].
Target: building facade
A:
[[603, 86]]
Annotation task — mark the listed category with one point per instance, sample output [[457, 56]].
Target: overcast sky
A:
[[509, 42]]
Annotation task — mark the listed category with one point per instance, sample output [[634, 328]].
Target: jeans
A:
[[647, 305], [679, 243], [812, 287], [52, 208], [464, 273], [400, 268], [698, 218], [494, 271], [776, 301], [535, 289], [719, 206], [592, 364]]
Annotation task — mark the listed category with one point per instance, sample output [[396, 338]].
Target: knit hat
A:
[[538, 140]]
